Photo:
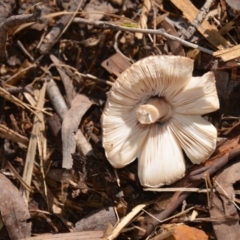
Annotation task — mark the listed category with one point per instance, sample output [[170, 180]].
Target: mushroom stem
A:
[[154, 110]]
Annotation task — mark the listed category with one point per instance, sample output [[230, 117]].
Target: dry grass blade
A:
[[8, 133], [30, 158], [8, 96], [18, 177], [117, 230]]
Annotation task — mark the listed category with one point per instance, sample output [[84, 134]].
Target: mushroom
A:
[[235, 4], [153, 111]]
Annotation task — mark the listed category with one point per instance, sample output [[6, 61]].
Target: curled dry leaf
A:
[[56, 98], [68, 85], [97, 220], [176, 47], [223, 209], [71, 121], [14, 210]]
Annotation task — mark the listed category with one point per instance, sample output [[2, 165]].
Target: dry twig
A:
[[104, 25], [13, 22]]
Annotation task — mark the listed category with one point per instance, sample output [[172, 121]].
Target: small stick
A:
[[10, 80], [81, 74], [25, 50], [102, 24], [178, 189], [199, 18]]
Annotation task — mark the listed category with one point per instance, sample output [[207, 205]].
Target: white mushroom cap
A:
[[235, 4], [152, 111]]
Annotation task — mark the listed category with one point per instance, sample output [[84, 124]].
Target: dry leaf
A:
[[14, 210], [71, 121], [176, 47], [97, 220], [182, 231], [223, 209], [116, 64], [96, 10]]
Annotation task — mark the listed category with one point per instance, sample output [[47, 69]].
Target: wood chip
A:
[[228, 54], [207, 30]]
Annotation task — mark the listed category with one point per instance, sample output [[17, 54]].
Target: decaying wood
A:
[[6, 8], [124, 221], [8, 96]]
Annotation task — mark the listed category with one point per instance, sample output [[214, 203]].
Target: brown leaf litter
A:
[[59, 60]]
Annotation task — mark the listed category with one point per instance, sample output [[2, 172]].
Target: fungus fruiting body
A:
[[153, 111]]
